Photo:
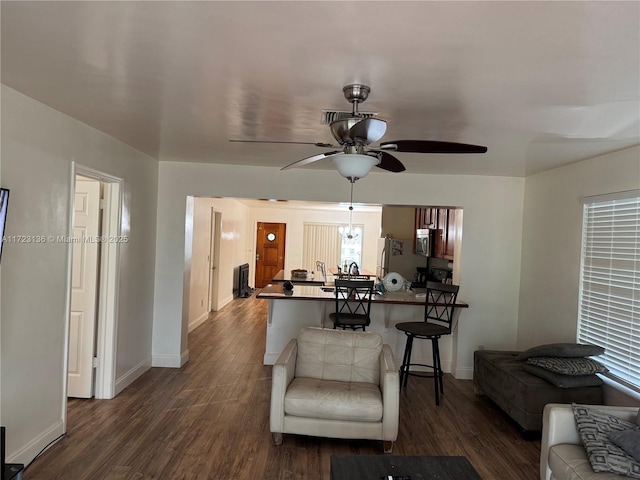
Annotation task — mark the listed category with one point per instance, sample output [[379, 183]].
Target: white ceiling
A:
[[541, 84]]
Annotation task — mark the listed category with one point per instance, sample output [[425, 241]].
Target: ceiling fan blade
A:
[[308, 160], [389, 162], [431, 146], [368, 130], [317, 144]]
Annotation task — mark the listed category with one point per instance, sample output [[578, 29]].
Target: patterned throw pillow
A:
[[594, 427], [568, 366]]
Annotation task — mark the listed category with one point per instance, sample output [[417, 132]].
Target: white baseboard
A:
[[28, 452], [166, 361], [184, 357], [198, 321], [464, 373], [128, 378], [170, 361], [224, 301]]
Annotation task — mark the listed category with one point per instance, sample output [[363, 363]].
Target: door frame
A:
[[214, 258], [108, 277], [253, 265]]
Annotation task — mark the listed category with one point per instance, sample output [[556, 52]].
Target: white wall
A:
[[552, 236], [398, 221], [38, 147], [295, 219], [169, 330], [490, 265], [234, 238], [238, 244]]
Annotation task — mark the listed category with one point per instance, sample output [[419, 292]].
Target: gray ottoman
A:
[[499, 376]]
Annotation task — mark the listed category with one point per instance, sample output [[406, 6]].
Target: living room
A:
[[520, 259]]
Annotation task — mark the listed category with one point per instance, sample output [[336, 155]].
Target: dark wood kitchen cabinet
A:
[[444, 220], [426, 217], [450, 240]]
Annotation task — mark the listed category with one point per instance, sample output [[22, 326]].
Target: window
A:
[[320, 242], [609, 303], [323, 242]]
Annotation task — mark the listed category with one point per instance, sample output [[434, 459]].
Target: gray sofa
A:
[[522, 396]]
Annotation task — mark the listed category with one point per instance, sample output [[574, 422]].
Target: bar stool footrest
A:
[[419, 373]]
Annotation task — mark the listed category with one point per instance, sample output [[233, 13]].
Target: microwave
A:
[[424, 241]]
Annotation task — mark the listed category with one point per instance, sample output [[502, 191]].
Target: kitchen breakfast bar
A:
[[310, 306]]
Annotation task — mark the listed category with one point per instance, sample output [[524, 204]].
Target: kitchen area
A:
[[418, 245]]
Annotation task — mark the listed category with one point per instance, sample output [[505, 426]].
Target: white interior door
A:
[[84, 282]]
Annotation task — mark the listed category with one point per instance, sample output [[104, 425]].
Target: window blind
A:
[[320, 242], [609, 302]]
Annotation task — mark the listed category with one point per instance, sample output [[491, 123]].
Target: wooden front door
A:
[[270, 243]]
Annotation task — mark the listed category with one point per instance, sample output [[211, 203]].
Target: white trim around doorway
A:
[[107, 325]]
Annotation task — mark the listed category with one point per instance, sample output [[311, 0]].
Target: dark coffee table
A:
[[387, 467]]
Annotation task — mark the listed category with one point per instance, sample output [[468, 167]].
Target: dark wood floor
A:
[[210, 420]]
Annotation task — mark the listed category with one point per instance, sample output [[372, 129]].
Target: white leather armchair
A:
[[334, 383], [562, 455]]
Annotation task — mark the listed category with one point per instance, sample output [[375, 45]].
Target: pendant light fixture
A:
[[349, 231]]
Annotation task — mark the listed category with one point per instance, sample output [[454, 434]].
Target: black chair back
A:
[[440, 303], [353, 303]]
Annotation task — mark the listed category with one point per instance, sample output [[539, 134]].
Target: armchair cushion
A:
[[338, 355], [332, 400], [570, 462]]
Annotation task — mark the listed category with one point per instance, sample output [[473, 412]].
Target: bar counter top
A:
[[274, 291], [362, 273], [310, 279]]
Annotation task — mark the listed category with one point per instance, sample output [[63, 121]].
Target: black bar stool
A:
[[438, 319], [353, 304]]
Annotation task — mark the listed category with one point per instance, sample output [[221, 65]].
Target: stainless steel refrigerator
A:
[[396, 255]]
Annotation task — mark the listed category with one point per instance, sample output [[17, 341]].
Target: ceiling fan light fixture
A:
[[355, 132], [353, 165]]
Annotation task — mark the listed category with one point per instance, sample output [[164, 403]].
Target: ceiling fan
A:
[[355, 155]]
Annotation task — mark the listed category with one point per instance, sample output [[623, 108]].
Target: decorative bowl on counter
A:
[[298, 273]]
